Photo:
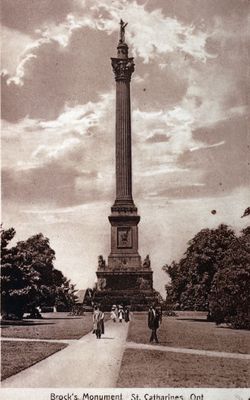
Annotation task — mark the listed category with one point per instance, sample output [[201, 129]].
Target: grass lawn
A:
[[17, 356], [191, 331], [154, 368], [52, 326], [146, 368]]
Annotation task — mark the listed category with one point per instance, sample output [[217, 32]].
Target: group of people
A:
[[119, 313]]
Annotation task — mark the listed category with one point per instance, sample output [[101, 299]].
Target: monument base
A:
[[126, 288]]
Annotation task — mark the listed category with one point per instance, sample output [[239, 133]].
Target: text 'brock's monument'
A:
[[125, 279]]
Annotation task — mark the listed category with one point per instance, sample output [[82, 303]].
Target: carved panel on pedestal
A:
[[124, 238], [143, 283]]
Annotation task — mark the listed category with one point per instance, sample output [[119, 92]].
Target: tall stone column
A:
[[125, 279], [123, 67], [124, 218]]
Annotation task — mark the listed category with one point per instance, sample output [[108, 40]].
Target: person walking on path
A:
[[126, 315], [98, 322], [113, 314], [102, 321], [153, 323], [120, 313]]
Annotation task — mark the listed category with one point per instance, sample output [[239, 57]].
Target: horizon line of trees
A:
[[214, 276], [29, 278]]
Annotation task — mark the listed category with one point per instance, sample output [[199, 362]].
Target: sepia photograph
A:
[[125, 198]]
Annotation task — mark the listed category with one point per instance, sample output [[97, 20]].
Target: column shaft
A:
[[123, 142]]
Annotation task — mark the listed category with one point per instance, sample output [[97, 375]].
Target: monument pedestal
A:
[[125, 280], [126, 288]]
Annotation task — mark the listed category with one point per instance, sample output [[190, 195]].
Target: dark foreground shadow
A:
[[6, 324]]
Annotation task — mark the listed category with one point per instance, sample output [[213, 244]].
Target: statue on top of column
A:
[[122, 31]]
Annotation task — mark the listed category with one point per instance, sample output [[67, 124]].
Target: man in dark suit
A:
[[153, 322]]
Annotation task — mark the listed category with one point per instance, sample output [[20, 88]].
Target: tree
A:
[[229, 299], [214, 276], [28, 276], [65, 295], [246, 212], [36, 254], [192, 277], [18, 281]]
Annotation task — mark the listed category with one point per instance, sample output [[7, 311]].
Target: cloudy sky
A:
[[189, 123]]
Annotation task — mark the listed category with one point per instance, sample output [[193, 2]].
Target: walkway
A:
[[81, 364], [197, 352], [11, 339]]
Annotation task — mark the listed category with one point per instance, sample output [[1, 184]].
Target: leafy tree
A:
[[192, 277], [229, 299], [65, 295], [18, 281], [28, 275], [36, 254], [246, 212], [214, 276]]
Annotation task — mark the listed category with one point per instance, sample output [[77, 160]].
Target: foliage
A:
[[65, 296], [213, 276], [229, 299], [18, 281], [191, 278], [246, 212], [28, 276]]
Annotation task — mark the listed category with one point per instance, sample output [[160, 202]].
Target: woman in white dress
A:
[[120, 313], [113, 314]]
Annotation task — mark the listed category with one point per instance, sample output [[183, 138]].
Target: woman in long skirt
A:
[[113, 313], [98, 322]]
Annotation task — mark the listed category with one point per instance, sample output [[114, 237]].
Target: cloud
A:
[[13, 44], [60, 161], [60, 75], [60, 64], [200, 12], [20, 71], [189, 130], [176, 124], [225, 166], [157, 34], [157, 137], [151, 33], [26, 16]]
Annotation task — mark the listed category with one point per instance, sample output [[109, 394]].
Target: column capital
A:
[[123, 68]]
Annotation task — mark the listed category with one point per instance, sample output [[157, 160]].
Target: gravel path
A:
[[88, 362]]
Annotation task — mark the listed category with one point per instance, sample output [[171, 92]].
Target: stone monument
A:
[[125, 279]]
